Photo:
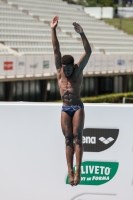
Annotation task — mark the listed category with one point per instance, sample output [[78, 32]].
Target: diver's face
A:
[[68, 69]]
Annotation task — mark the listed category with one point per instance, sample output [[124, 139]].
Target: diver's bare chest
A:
[[69, 82], [73, 81]]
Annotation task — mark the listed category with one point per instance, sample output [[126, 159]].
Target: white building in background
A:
[[27, 60], [100, 12], [125, 12]]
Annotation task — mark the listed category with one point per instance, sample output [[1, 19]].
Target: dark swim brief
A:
[[70, 110]]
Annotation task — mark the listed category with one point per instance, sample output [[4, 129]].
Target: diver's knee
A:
[[78, 139], [69, 140]]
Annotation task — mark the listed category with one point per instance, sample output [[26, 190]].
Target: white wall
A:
[[32, 152], [98, 12], [125, 12]]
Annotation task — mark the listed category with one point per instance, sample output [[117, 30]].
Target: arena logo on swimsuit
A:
[[97, 139]]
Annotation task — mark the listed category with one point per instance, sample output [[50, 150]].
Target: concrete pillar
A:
[[2, 91], [9, 91], [116, 84], [52, 89], [44, 90], [120, 84], [19, 90], [94, 87], [26, 93], [125, 83], [130, 83], [86, 86], [58, 97], [32, 90]]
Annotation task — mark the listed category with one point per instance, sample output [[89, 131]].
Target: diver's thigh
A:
[[78, 121], [66, 124]]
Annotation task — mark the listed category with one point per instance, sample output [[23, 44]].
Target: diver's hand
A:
[[77, 28], [54, 22]]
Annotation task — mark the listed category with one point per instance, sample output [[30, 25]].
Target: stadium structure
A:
[[28, 72]]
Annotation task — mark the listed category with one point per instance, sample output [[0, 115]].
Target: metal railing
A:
[[124, 99]]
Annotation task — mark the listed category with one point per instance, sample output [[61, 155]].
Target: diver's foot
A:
[[77, 179], [71, 178]]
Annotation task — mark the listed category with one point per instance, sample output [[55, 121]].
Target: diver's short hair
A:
[[67, 59]]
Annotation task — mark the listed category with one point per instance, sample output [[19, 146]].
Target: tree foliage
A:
[[92, 3], [106, 3]]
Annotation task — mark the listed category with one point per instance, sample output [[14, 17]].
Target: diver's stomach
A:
[[73, 100]]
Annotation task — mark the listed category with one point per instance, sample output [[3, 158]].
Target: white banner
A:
[[32, 153], [48, 65], [31, 64], [20, 66], [8, 68], [120, 63], [91, 64], [3, 70], [129, 67], [39, 66], [104, 64], [111, 63]]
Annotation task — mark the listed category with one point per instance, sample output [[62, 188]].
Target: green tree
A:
[[70, 1], [90, 3], [106, 3]]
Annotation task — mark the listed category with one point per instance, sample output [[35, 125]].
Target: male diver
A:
[[70, 76]]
